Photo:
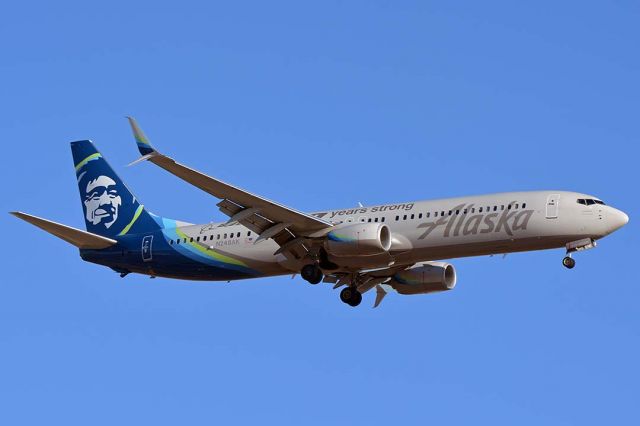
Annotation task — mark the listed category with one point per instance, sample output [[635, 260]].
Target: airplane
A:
[[398, 247]]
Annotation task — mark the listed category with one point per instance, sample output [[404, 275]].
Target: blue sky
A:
[[320, 106]]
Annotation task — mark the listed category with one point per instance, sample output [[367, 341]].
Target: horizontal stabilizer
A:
[[80, 239]]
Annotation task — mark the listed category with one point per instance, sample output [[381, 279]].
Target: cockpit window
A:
[[590, 201]]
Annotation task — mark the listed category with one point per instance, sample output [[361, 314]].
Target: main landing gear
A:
[[311, 273], [568, 262], [351, 296]]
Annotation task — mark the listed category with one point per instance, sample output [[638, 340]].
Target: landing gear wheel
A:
[[568, 262], [356, 298], [351, 296], [311, 273]]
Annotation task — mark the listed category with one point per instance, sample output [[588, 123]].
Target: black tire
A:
[[317, 277], [311, 273], [346, 294], [568, 262], [356, 298]]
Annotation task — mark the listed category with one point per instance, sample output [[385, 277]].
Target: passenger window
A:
[[473, 210], [191, 239], [369, 220], [413, 216], [238, 235], [435, 214], [480, 210], [450, 211], [524, 205], [185, 240], [428, 214], [225, 236], [382, 220], [170, 242], [419, 215], [516, 206], [249, 234], [198, 239], [404, 217], [218, 236], [509, 207], [495, 208], [502, 207], [178, 241], [397, 218], [457, 211], [375, 220], [442, 213]]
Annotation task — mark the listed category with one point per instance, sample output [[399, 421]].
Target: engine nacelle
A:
[[428, 277], [359, 239]]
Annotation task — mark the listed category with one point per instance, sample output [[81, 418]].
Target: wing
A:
[[268, 219]]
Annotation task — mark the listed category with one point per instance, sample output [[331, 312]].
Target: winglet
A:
[[144, 146]]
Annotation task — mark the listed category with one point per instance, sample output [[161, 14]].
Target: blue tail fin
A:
[[110, 209]]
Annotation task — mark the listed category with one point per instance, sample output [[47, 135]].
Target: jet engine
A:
[[359, 239], [428, 277]]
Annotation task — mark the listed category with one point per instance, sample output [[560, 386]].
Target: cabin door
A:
[[552, 206]]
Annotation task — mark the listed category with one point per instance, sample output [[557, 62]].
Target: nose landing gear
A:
[[574, 246], [568, 262]]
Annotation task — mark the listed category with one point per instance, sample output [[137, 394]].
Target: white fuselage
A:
[[439, 229]]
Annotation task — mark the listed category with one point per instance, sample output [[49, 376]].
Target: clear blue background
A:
[[320, 106]]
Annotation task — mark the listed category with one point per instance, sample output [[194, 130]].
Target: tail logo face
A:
[[110, 209], [102, 201]]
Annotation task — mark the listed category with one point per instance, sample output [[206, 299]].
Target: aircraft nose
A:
[[618, 219]]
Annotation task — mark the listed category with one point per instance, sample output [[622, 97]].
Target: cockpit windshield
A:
[[590, 201]]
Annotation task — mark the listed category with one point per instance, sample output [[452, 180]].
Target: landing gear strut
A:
[[311, 273], [574, 246], [351, 296], [568, 262]]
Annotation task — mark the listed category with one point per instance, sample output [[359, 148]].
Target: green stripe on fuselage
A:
[[211, 253]]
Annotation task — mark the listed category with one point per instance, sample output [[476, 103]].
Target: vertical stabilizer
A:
[[110, 209]]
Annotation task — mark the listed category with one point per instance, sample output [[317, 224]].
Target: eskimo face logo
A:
[[102, 201]]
